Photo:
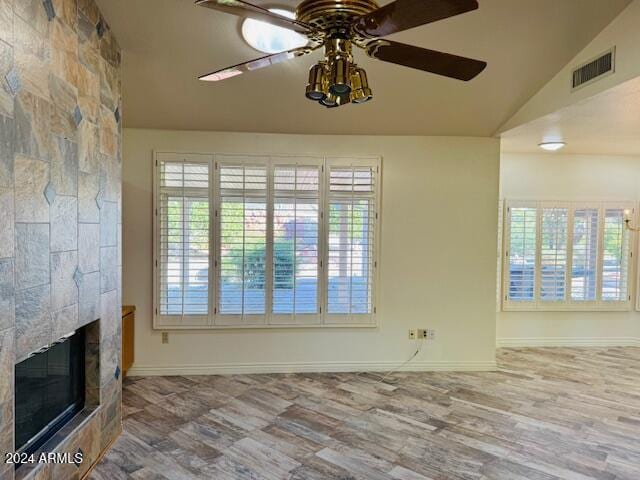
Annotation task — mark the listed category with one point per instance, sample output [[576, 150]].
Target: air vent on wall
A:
[[594, 69]]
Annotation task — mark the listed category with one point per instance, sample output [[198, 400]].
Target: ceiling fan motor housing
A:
[[328, 15]]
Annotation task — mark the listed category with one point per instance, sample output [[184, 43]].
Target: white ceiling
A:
[[607, 123], [168, 43]]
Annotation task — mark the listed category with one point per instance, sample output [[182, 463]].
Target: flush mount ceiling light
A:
[[268, 38], [338, 26], [552, 146]]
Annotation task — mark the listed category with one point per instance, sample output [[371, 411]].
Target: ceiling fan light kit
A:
[[360, 91], [337, 80], [338, 26], [318, 86]]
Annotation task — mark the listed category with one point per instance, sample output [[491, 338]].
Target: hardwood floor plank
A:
[[267, 462], [354, 466], [401, 473], [546, 414]]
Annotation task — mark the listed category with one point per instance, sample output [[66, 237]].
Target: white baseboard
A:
[[568, 342], [317, 367]]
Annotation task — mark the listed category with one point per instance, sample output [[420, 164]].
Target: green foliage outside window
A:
[[340, 216], [251, 259], [613, 243]]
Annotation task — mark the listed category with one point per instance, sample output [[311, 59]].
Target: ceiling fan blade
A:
[[405, 14], [248, 10], [440, 63], [255, 64]]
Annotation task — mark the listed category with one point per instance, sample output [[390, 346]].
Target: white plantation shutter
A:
[[296, 245], [553, 253], [265, 241], [584, 275], [182, 239], [522, 254], [615, 265], [242, 249], [351, 239], [567, 256]]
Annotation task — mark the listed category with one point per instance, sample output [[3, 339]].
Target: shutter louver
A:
[[584, 272], [575, 256], [522, 253], [553, 254], [351, 237], [615, 256], [294, 239], [243, 239], [183, 213], [295, 265]]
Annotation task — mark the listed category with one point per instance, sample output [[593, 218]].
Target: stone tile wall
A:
[[60, 205]]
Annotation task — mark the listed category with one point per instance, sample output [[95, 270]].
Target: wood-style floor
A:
[[548, 413]]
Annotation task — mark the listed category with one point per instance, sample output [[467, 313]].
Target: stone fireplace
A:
[[60, 228]]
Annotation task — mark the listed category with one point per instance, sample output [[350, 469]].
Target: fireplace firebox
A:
[[50, 391]]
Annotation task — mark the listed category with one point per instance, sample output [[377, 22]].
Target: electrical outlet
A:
[[412, 334], [165, 337], [425, 334]]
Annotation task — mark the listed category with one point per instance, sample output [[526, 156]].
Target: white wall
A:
[[546, 176], [439, 194]]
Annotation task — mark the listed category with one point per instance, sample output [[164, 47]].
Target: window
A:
[[242, 249], [585, 255], [296, 243], [265, 241], [566, 256], [522, 253], [183, 239], [553, 253], [615, 267], [351, 236]]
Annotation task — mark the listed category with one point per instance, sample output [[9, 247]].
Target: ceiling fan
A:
[[339, 25]]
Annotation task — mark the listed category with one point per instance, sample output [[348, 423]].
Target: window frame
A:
[[269, 320], [506, 249], [589, 305], [352, 319], [296, 319], [631, 239], [240, 319], [568, 304], [177, 321], [553, 304]]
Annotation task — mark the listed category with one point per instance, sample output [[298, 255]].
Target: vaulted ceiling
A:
[[607, 123], [168, 43]]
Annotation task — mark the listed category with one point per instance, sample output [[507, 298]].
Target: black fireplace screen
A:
[[49, 392]]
